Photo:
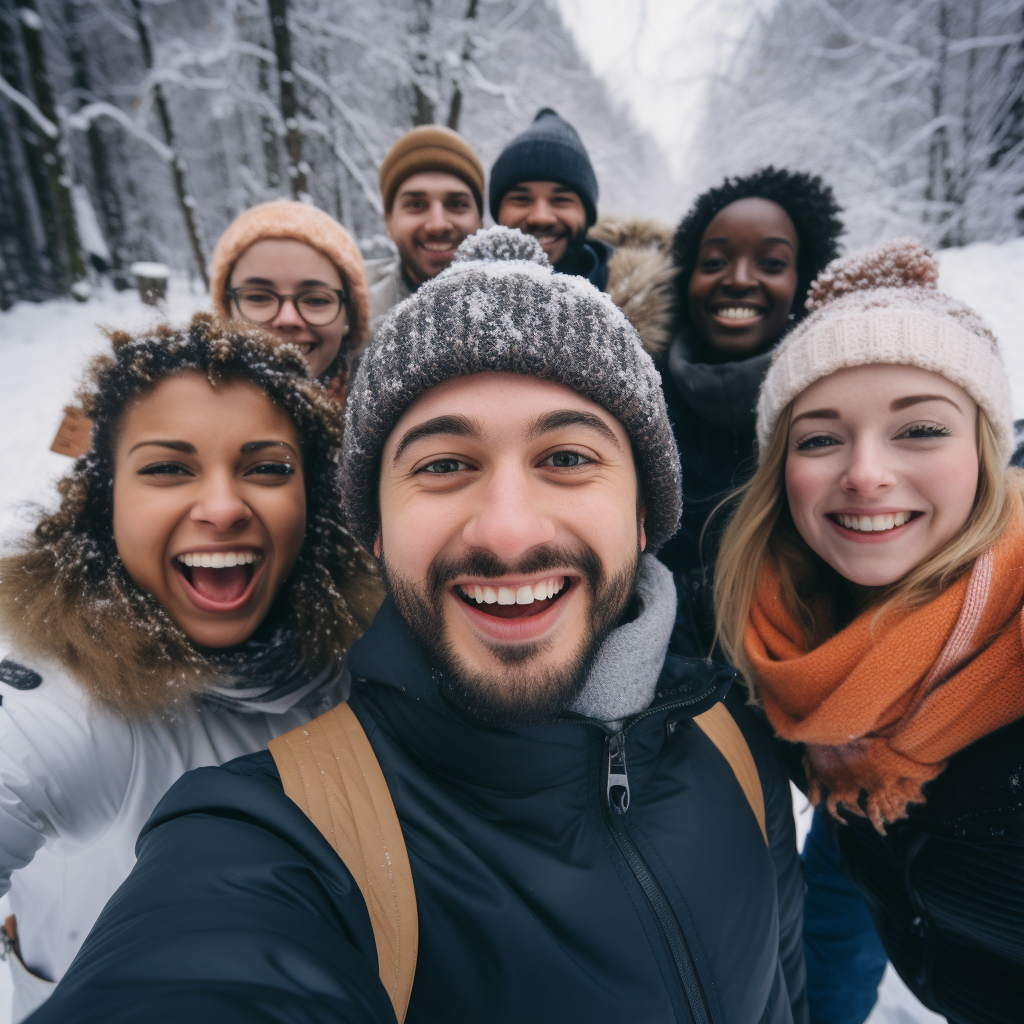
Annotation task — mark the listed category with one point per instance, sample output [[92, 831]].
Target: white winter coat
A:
[[77, 783]]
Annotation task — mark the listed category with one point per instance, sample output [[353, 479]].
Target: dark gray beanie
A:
[[500, 307], [549, 150]]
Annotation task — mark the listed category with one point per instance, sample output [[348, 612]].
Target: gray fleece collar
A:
[[624, 678]]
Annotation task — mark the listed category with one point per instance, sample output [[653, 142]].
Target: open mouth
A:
[[548, 237], [439, 248], [881, 523], [738, 315], [219, 580], [305, 347], [519, 602]]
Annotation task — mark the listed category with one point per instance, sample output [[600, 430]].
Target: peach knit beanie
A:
[[285, 218], [882, 306]]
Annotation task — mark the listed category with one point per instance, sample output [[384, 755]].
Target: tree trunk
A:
[[455, 107], [178, 166], [62, 229], [289, 103], [423, 108], [268, 134], [938, 149], [27, 227], [103, 177]]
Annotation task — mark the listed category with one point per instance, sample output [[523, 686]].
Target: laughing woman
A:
[[870, 588], [191, 598]]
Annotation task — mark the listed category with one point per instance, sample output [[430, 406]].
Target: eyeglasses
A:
[[318, 306]]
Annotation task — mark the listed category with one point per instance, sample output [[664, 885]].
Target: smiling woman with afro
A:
[[744, 254]]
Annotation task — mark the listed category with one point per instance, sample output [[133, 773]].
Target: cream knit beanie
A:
[[882, 306]]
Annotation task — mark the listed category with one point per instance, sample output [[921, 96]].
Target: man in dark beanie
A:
[[532, 807], [543, 183]]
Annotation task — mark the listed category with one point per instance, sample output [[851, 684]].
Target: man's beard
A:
[[575, 241], [515, 696]]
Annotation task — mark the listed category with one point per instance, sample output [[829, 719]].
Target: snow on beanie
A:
[[882, 306], [431, 147], [500, 307], [285, 218], [549, 150]]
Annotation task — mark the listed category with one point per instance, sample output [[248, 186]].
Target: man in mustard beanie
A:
[[432, 185]]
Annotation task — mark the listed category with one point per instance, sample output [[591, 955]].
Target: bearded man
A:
[[578, 848]]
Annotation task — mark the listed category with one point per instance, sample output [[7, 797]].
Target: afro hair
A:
[[807, 200]]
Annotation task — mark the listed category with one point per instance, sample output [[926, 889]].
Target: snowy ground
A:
[[44, 348]]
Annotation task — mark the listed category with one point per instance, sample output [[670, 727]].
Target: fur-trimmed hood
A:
[[125, 652], [640, 275], [65, 595]]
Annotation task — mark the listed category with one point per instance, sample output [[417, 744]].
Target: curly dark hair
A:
[[67, 591], [811, 207]]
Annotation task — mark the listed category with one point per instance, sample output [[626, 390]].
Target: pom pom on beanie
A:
[[883, 306], [902, 263], [501, 308]]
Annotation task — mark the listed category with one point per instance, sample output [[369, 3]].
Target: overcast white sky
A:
[[657, 55]]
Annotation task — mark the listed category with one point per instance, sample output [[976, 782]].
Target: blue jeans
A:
[[845, 959]]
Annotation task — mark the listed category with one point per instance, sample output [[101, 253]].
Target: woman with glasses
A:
[[297, 273]]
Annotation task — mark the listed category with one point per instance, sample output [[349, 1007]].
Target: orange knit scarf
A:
[[883, 704]]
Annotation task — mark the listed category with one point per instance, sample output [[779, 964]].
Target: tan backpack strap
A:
[[329, 769], [721, 728]]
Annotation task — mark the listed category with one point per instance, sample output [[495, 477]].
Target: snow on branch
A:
[[81, 120], [19, 99]]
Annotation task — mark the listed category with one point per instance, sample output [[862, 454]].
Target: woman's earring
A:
[[348, 327]]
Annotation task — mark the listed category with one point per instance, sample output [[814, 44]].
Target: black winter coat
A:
[[711, 407], [946, 885], [536, 902]]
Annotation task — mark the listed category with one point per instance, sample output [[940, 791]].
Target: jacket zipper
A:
[[615, 806]]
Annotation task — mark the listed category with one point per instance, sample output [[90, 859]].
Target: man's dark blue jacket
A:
[[536, 902]]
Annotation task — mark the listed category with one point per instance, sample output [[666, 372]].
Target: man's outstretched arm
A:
[[238, 910]]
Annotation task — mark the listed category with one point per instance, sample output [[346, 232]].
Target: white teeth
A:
[[738, 313], [874, 524], [526, 594], [217, 559]]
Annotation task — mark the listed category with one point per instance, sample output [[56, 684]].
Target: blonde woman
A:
[[869, 588]]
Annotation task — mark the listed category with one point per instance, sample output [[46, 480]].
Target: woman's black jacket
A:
[[536, 902], [946, 885], [712, 410]]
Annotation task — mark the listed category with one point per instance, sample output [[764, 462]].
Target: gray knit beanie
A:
[[500, 307]]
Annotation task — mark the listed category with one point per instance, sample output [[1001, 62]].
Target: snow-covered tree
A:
[[912, 109], [182, 113]]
